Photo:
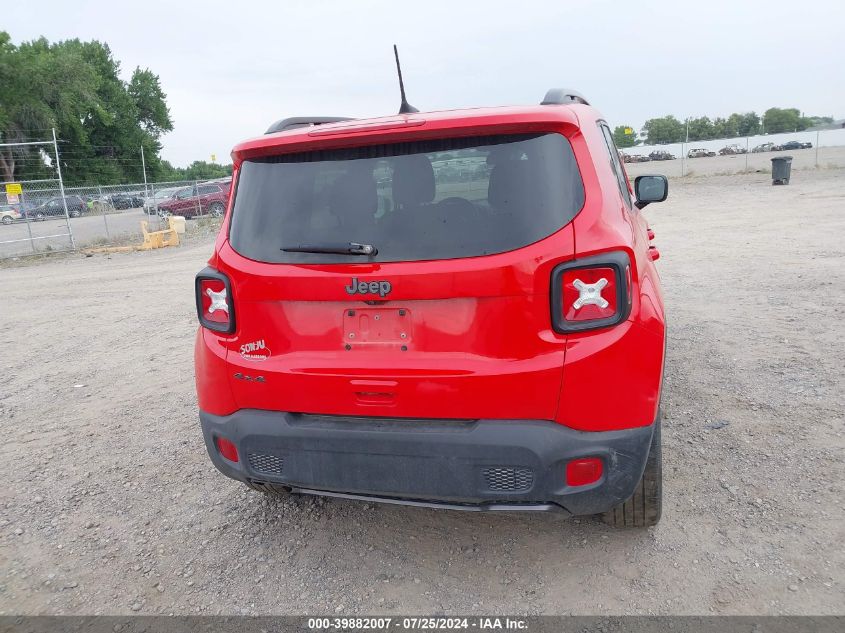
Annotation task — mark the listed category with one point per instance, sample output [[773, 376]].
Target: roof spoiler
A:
[[563, 96], [303, 121]]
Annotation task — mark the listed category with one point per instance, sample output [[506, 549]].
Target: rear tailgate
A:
[[450, 318], [471, 344]]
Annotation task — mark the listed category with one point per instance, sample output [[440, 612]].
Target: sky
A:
[[229, 69]]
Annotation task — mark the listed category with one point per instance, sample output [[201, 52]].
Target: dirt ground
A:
[[109, 504]]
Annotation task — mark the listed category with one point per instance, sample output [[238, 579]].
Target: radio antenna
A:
[[404, 107]]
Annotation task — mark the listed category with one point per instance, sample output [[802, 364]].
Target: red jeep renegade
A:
[[453, 309]]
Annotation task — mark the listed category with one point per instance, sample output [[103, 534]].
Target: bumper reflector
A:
[[227, 449], [583, 471]]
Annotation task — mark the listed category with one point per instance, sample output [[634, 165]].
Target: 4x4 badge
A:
[[381, 288]]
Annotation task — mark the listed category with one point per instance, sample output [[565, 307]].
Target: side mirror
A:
[[650, 189]]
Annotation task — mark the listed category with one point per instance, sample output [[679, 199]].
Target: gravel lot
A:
[[109, 503]]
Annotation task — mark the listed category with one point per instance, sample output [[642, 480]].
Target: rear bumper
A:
[[461, 464]]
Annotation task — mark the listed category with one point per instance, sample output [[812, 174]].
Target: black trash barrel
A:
[[781, 170]]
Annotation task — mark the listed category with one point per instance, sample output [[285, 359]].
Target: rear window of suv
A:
[[440, 199]]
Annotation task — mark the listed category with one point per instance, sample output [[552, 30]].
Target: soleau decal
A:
[[255, 350]]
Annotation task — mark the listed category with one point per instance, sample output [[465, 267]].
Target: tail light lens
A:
[[590, 293], [215, 308]]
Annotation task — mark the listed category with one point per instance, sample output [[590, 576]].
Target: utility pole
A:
[[62, 189], [144, 169], [746, 153]]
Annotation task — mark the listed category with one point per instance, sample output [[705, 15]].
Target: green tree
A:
[[738, 124], [664, 130], [749, 124], [782, 120], [40, 89], [700, 129], [732, 125], [720, 127], [102, 121], [201, 170], [622, 137], [198, 170]]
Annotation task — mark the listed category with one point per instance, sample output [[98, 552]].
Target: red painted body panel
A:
[[613, 377], [212, 374], [478, 341], [474, 338]]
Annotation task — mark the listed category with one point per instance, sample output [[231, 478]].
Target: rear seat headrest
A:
[[413, 180], [510, 183], [354, 196]]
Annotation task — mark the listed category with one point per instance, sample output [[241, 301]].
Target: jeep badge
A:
[[372, 287]]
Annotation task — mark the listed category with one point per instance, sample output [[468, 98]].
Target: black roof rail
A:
[[303, 121], [563, 96]]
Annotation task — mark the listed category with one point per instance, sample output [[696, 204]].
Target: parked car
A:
[[125, 200], [76, 206], [151, 203], [427, 355], [763, 147], [661, 155], [633, 158], [700, 153], [207, 198], [791, 145], [732, 149], [8, 214]]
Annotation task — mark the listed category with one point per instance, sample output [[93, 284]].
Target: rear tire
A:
[[644, 507], [217, 209], [7, 219]]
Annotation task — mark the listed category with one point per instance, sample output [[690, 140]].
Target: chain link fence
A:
[[34, 221], [25, 208], [815, 149]]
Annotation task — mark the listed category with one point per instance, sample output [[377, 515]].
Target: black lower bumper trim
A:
[[476, 465], [464, 507]]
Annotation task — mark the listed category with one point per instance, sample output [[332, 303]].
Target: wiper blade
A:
[[343, 248]]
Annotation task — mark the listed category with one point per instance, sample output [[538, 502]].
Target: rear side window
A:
[[439, 199], [616, 164]]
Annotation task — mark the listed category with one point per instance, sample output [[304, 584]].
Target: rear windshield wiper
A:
[[342, 248]]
